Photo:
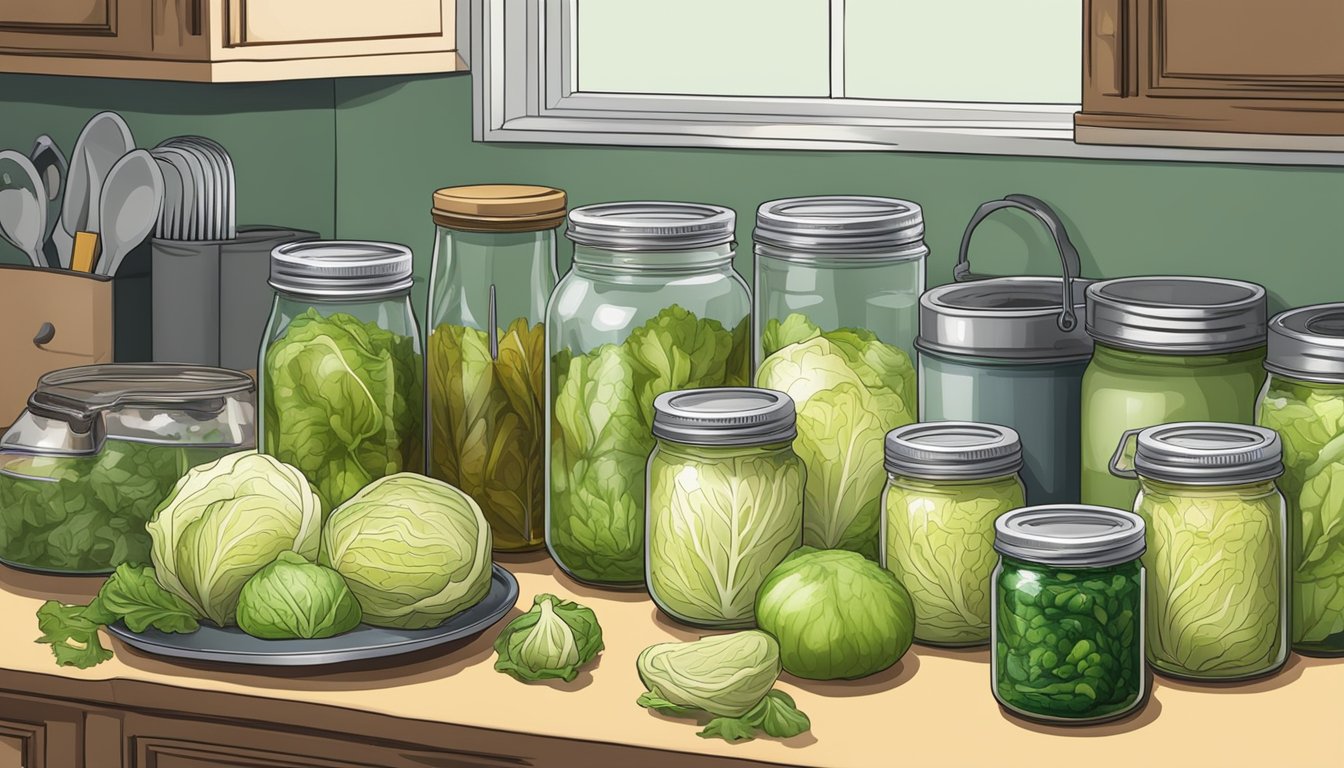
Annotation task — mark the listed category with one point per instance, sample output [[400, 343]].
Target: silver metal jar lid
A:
[[1205, 453], [724, 416], [1174, 315], [841, 224], [1014, 318], [651, 226], [1308, 343], [953, 450], [337, 269], [1070, 535]]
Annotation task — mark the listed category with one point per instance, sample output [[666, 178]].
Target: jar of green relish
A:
[[1068, 614]]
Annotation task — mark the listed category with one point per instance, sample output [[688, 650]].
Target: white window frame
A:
[[525, 90]]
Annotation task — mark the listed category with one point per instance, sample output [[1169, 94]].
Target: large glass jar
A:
[[1167, 349], [340, 370], [494, 268], [1217, 548], [99, 447], [947, 482], [651, 305], [1304, 402], [1068, 614], [725, 501], [838, 281]]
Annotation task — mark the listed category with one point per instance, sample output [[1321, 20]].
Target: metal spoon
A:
[[129, 207], [52, 168], [23, 205], [104, 140]]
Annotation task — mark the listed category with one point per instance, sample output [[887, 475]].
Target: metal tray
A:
[[231, 645]]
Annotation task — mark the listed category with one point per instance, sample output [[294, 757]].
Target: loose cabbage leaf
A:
[[488, 427], [554, 640]]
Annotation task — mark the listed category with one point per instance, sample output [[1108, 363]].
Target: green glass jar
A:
[[947, 482], [1303, 401], [651, 305], [1217, 548], [340, 371], [1068, 614], [1167, 349], [725, 501], [838, 281]]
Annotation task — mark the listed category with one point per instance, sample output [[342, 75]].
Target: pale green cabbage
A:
[[720, 520], [1215, 591], [414, 550], [940, 545], [724, 675], [1310, 420], [850, 389], [226, 520], [554, 640]]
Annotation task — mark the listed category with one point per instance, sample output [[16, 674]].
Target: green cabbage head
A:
[[850, 389], [836, 614], [414, 550], [724, 675], [294, 598], [226, 520]]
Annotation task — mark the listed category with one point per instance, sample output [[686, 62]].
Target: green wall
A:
[[385, 144]]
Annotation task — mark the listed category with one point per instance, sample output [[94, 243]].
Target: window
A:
[[976, 76]]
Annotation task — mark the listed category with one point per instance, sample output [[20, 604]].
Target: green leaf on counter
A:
[[780, 717], [73, 637], [731, 729], [659, 704]]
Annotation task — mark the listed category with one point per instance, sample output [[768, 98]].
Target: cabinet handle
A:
[[1109, 59], [194, 14], [44, 335]]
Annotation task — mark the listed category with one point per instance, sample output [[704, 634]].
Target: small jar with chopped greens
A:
[[1067, 616], [1217, 554], [494, 268], [725, 501], [651, 305], [340, 372], [947, 482]]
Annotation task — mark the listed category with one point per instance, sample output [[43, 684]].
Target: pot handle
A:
[[1119, 456], [1068, 254]]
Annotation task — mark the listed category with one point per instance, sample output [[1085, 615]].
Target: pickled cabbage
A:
[[940, 544]]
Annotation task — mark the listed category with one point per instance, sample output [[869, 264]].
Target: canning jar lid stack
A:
[[1176, 315], [651, 226], [1209, 453], [499, 208], [1308, 343], [724, 416], [953, 450], [804, 228], [341, 269], [1070, 535]]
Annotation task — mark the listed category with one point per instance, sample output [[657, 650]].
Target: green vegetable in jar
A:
[[1069, 643], [294, 598], [554, 640]]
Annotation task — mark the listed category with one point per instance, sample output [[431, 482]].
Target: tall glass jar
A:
[[1303, 401], [340, 370], [1167, 349], [947, 482], [494, 269], [838, 281], [725, 501], [1068, 614], [1217, 548], [651, 305]]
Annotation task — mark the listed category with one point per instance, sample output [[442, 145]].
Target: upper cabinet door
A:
[[103, 26], [280, 29]]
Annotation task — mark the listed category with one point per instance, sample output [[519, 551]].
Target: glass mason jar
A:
[[1068, 614], [1217, 548], [947, 482], [494, 268], [838, 281], [1167, 349], [340, 371], [651, 305], [99, 447], [725, 501], [1303, 401]]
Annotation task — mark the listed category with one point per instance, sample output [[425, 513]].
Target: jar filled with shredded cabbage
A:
[[947, 482], [1217, 552]]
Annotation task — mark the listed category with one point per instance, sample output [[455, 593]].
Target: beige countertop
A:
[[933, 709]]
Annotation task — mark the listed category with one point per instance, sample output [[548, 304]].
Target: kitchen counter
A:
[[452, 708]]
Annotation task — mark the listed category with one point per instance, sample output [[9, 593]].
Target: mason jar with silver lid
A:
[[725, 501], [1012, 351], [650, 305], [1217, 555], [838, 280], [1303, 401], [1167, 349], [1068, 614], [99, 447], [340, 369], [947, 482]]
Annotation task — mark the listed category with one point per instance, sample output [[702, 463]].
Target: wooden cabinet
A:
[[228, 40], [1219, 73]]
